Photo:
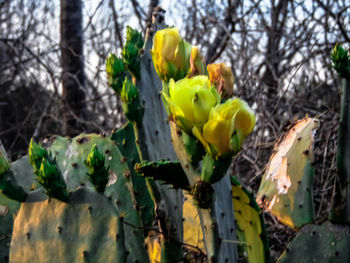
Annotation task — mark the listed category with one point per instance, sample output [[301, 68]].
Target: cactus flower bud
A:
[[134, 37], [4, 164], [227, 127], [129, 91], [97, 172], [36, 153], [115, 69], [341, 61], [190, 101], [132, 107], [221, 76], [197, 64], [170, 54], [51, 179]]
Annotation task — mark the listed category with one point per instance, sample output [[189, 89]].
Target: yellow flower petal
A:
[[170, 54], [217, 133], [192, 99], [228, 125]]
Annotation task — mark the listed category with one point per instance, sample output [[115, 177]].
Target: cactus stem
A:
[[340, 212], [155, 195]]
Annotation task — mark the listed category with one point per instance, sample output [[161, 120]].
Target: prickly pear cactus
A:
[[144, 109], [286, 187]]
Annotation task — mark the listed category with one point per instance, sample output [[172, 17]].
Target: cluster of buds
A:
[[123, 73]]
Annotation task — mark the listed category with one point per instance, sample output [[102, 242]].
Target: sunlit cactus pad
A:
[[286, 187], [250, 224], [84, 230], [8, 210]]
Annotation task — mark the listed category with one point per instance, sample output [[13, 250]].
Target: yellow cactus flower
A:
[[221, 76], [197, 64], [227, 127], [190, 101], [170, 54]]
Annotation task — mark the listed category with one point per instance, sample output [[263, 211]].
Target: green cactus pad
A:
[[250, 224], [19, 181], [125, 141], [8, 210], [70, 156], [286, 187], [11, 188], [83, 230], [166, 171], [319, 243], [23, 172]]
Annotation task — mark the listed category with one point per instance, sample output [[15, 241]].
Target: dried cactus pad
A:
[[286, 187]]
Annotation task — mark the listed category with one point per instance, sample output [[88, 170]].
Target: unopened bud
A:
[[221, 76]]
